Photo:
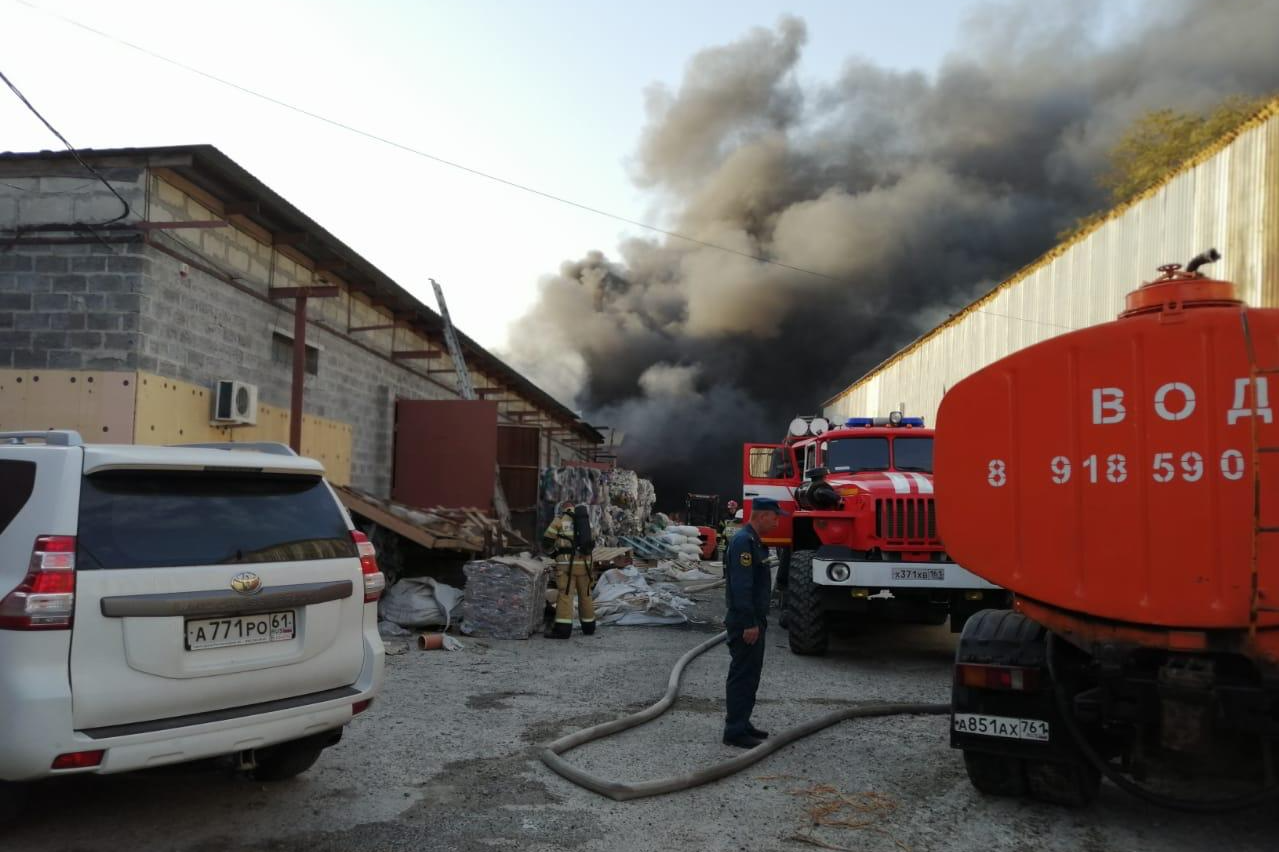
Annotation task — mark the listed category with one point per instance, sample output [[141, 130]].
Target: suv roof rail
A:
[[51, 437], [270, 447]]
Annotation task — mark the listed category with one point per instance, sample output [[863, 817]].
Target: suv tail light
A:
[[374, 579], [45, 599], [78, 759]]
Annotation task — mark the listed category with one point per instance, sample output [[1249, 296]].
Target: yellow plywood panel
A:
[[329, 442], [98, 405], [173, 412]]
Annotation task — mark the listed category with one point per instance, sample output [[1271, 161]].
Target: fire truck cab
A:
[[862, 538]]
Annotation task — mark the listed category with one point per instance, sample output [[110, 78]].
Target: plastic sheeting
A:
[[619, 501], [623, 596], [417, 602]]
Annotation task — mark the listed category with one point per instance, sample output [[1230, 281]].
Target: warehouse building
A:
[[123, 317], [1227, 198]]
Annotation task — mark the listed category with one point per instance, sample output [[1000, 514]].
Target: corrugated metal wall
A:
[[1229, 200]]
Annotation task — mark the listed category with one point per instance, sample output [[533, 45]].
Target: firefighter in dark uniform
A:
[[748, 588]]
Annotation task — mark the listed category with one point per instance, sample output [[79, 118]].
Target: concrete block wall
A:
[[199, 329], [71, 306], [132, 306]]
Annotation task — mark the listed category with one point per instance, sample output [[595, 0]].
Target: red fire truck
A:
[[862, 539], [1123, 481]]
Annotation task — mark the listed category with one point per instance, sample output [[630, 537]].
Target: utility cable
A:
[[453, 164], [74, 153]]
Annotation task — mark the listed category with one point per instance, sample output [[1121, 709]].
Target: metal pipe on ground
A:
[[619, 791]]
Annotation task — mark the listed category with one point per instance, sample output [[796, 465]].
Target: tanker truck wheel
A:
[[1009, 638], [994, 774], [805, 622]]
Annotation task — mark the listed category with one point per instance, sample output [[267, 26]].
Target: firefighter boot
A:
[[588, 628], [563, 602]]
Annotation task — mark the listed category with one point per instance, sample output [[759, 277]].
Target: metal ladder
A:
[[1258, 603], [466, 390]]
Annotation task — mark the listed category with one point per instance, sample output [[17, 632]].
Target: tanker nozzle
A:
[[1201, 259]]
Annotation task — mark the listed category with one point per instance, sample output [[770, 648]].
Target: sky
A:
[[550, 94]]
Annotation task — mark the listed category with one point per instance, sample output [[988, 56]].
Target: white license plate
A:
[[1002, 726], [204, 633], [930, 574]]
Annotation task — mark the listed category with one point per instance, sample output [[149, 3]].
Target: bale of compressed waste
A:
[[505, 597]]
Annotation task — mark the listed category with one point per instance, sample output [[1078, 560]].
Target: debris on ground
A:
[[623, 596], [464, 529], [604, 558], [505, 596], [438, 642], [831, 807], [680, 571]]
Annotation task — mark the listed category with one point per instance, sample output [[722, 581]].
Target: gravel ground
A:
[[446, 759]]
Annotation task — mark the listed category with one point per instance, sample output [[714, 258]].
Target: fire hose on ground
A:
[[622, 792]]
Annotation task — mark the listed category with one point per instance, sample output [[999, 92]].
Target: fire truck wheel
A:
[[995, 774], [805, 622], [1071, 784]]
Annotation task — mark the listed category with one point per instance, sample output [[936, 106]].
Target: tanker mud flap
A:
[[1005, 718]]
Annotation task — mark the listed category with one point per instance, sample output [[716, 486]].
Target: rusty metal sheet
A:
[[445, 453]]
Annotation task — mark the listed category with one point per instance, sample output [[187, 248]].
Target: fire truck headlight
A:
[[838, 572]]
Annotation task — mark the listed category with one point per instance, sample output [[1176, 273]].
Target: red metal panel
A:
[[445, 452], [517, 445], [517, 454]]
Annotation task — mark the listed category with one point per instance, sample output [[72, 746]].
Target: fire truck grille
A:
[[906, 520]]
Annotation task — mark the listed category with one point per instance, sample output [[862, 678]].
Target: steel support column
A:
[[299, 371]]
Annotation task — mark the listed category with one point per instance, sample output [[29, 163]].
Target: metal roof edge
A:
[[219, 166], [1267, 112]]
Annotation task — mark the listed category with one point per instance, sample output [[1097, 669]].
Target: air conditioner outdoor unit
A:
[[235, 403]]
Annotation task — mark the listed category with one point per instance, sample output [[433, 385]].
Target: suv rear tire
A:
[[12, 797], [805, 621], [288, 760]]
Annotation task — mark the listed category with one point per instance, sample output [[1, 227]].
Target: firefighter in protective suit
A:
[[572, 574]]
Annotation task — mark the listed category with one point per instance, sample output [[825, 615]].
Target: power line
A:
[[426, 154], [74, 152], [429, 156], [1022, 319]]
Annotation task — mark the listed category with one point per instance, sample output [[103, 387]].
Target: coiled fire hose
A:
[[621, 792]]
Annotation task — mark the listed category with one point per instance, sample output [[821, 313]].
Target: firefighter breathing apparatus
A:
[[619, 791]]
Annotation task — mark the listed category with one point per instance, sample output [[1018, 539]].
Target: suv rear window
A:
[[155, 519], [19, 478]]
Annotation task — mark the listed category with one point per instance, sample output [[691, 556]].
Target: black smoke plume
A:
[[910, 194]]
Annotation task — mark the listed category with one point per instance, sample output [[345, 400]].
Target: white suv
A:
[[167, 604]]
